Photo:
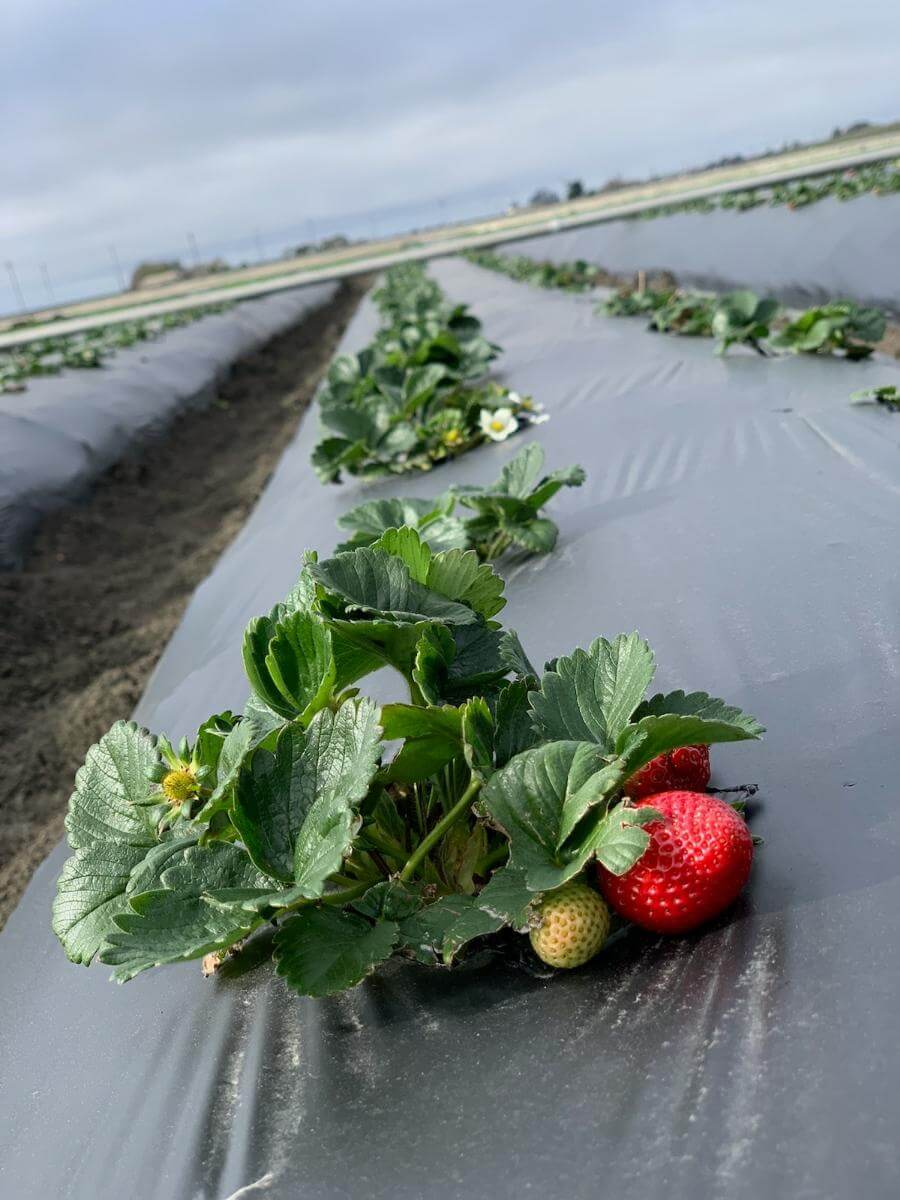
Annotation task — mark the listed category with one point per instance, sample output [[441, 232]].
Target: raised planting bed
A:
[[743, 517], [61, 433], [802, 257]]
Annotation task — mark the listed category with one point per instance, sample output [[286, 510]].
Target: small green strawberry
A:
[[573, 924]]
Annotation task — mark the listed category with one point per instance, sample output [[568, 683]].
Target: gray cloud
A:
[[131, 124]]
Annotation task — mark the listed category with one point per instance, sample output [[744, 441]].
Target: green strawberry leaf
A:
[[434, 651], [377, 584], [620, 841], [389, 900], [507, 896], [147, 875], [89, 893], [590, 695], [256, 725], [440, 930], [478, 737], [355, 655], [290, 664], [548, 487], [666, 722], [538, 536], [513, 730], [519, 475], [296, 808], [458, 575], [404, 543], [550, 802], [255, 647], [300, 663], [111, 789], [513, 655], [211, 738], [320, 951], [450, 666], [378, 642], [477, 664], [175, 923], [111, 832], [368, 521], [432, 737]]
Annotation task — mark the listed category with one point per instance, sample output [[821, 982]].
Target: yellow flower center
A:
[[180, 785], [498, 426]]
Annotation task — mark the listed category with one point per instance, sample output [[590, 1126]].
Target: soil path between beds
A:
[[106, 583]]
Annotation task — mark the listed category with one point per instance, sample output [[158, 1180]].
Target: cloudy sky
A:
[[253, 126]]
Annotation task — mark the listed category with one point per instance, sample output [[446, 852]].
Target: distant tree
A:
[[574, 189], [544, 196], [145, 272]]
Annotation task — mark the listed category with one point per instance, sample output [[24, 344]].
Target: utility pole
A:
[[192, 246], [14, 281], [45, 275], [120, 274]]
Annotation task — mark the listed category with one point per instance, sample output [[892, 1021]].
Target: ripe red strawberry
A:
[[686, 768], [696, 864]]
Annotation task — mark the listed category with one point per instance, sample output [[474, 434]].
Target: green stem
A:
[[362, 867], [385, 843], [497, 855], [496, 546], [343, 897], [421, 851], [345, 880]]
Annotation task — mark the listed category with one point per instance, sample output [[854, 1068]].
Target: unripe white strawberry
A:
[[573, 924]]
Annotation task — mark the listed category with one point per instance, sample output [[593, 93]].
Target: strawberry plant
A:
[[840, 327], [880, 179], [579, 276], [416, 395], [91, 349], [741, 317], [887, 394], [632, 302], [358, 831], [685, 313], [742, 201], [507, 513]]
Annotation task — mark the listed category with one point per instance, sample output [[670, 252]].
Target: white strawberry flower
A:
[[498, 423], [526, 405]]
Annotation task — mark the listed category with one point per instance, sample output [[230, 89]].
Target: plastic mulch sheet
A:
[[826, 251], [61, 433], [744, 518]]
